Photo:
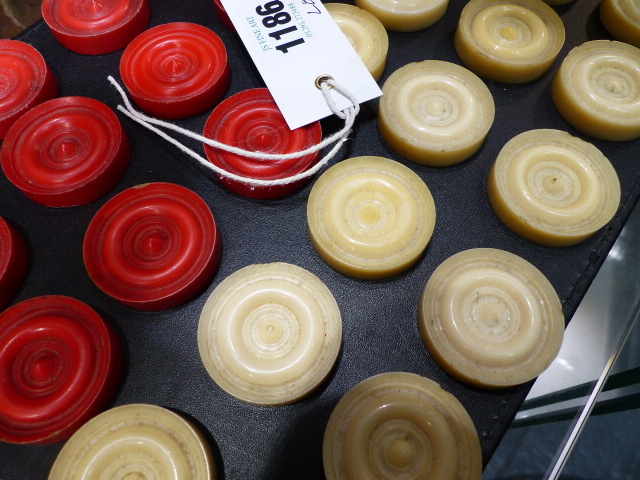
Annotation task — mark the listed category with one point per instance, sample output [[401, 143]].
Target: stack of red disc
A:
[[14, 260], [177, 70], [60, 362], [223, 16], [95, 28], [66, 151], [251, 120], [153, 246], [25, 81]]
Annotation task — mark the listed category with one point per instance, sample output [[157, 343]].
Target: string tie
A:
[[337, 139]]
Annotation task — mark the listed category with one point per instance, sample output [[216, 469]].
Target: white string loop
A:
[[338, 138]]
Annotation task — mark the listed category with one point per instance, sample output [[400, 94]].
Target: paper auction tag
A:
[[292, 43]]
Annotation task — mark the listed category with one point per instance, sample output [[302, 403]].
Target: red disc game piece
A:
[[223, 16], [153, 246], [25, 81], [252, 121], [95, 27], [66, 151], [60, 365], [176, 70], [14, 260]]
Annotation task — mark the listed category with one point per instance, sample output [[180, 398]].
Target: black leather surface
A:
[[380, 331]]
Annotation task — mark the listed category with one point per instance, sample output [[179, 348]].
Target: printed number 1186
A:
[[273, 17]]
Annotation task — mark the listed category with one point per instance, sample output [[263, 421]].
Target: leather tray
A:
[[379, 318]]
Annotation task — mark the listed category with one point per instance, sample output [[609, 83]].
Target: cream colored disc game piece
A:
[[370, 217], [365, 33], [270, 333], [490, 318], [621, 18], [135, 441], [552, 188], [597, 89], [509, 41], [435, 113], [405, 15], [400, 426]]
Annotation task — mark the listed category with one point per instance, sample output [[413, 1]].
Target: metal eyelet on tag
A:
[[324, 79]]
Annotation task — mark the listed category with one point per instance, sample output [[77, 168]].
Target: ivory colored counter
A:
[[365, 33], [509, 41], [370, 217], [269, 334], [553, 188], [136, 441], [621, 18], [596, 89], [400, 425], [405, 15], [435, 113], [490, 318]]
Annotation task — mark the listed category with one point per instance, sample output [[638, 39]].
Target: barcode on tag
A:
[[293, 43]]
